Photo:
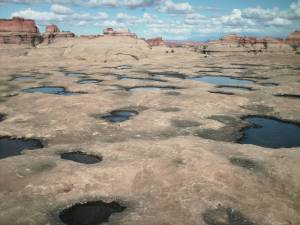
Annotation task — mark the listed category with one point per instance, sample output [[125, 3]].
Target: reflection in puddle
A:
[[89, 81], [50, 90], [223, 80], [151, 88], [271, 133]]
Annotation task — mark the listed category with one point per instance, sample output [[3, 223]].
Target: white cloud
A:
[[60, 9], [176, 8]]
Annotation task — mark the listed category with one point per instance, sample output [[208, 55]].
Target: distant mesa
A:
[[52, 29], [294, 38], [119, 32], [53, 33], [156, 41]]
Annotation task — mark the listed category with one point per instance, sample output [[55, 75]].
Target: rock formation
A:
[[156, 41], [119, 32], [19, 31], [52, 29], [53, 34], [294, 38]]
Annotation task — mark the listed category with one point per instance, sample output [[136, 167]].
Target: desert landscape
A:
[[117, 129]]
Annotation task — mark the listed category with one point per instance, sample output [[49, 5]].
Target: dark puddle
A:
[[234, 88], [89, 81], [271, 132], [23, 78], [287, 95], [13, 146], [75, 74], [170, 109], [2, 117], [168, 74], [255, 78], [221, 92], [269, 84], [223, 80], [244, 162], [51, 90], [151, 88], [225, 216], [120, 115], [90, 213], [81, 157]]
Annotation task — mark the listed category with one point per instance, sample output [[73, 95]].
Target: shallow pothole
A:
[[14, 146], [244, 162], [90, 213], [234, 88], [51, 90], [75, 74], [271, 132], [225, 216], [117, 116], [81, 157]]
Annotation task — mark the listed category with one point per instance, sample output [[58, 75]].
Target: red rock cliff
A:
[[17, 24], [294, 38]]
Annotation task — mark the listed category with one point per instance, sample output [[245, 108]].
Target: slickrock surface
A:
[[162, 163]]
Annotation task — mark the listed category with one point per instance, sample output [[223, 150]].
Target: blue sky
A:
[[196, 20]]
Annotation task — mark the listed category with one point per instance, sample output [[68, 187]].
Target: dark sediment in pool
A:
[[141, 78], [288, 96], [225, 216], [90, 213], [81, 157], [244, 162], [89, 81], [271, 132], [13, 146], [223, 80], [117, 116], [50, 90]]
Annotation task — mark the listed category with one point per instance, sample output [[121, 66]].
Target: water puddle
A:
[[287, 95], [120, 115], [90, 213], [81, 157], [271, 133], [22, 78], [75, 74], [51, 90], [123, 67], [151, 88], [13, 146], [223, 80], [221, 92], [89, 81], [176, 75]]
